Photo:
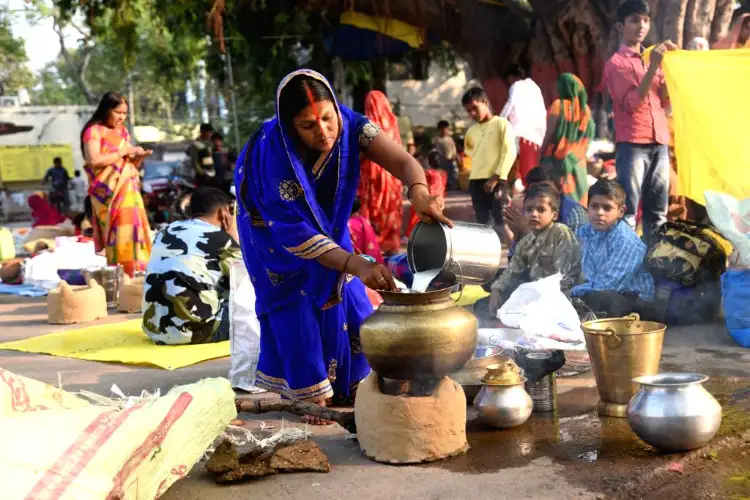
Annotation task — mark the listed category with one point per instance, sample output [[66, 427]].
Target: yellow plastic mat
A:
[[472, 293], [709, 94], [122, 342]]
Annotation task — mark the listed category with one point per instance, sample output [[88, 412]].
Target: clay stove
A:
[[408, 410], [401, 423]]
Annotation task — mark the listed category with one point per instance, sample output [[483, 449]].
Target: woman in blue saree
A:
[[296, 181]]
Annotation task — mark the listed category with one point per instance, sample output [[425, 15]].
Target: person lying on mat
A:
[[186, 291]]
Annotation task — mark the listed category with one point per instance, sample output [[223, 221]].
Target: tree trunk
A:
[[722, 20], [672, 17]]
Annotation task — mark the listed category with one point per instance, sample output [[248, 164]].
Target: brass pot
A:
[[622, 349], [415, 336]]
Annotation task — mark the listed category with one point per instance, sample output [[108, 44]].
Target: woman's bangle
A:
[[346, 262], [408, 191]]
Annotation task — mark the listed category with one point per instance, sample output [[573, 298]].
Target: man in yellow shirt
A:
[[491, 145]]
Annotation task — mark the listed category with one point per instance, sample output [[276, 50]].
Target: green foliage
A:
[[14, 74], [164, 39]]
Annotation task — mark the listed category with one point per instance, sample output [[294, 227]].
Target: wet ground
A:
[[546, 458], [571, 453]]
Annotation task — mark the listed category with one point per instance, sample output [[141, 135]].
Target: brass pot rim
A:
[[590, 327], [414, 298], [521, 380]]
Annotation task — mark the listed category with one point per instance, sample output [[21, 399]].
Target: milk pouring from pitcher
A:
[[467, 253]]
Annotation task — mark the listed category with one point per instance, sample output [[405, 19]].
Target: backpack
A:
[[687, 253]]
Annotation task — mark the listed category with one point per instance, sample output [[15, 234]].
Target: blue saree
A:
[[290, 214]]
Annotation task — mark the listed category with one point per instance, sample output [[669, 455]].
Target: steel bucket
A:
[[622, 349], [467, 253]]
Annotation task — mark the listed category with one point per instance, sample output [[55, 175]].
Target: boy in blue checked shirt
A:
[[612, 257]]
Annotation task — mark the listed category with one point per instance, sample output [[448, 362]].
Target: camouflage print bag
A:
[[687, 253]]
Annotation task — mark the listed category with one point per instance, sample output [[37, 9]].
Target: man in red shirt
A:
[[639, 97]]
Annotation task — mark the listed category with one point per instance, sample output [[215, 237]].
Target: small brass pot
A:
[[622, 349], [416, 336]]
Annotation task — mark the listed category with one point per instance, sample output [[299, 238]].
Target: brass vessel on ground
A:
[[622, 349], [418, 336]]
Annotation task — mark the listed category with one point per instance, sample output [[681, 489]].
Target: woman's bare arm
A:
[[95, 159], [406, 168], [396, 160]]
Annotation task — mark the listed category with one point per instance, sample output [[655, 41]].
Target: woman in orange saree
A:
[[121, 226], [380, 193]]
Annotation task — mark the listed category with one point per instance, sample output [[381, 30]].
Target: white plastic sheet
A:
[[732, 218], [244, 328], [541, 309]]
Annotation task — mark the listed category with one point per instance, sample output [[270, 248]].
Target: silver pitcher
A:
[[467, 253], [502, 401], [673, 411]]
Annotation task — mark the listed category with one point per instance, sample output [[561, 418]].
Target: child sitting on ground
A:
[[616, 283], [549, 248], [364, 239]]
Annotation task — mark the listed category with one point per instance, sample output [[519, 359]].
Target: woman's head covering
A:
[[732, 40], [575, 117], [698, 43], [281, 216], [378, 110]]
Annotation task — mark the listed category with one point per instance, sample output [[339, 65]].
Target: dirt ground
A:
[[549, 457]]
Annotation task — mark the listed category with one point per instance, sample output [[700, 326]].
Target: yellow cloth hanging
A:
[[711, 109]]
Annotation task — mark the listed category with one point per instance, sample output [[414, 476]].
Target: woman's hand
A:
[[428, 207], [375, 276], [140, 153]]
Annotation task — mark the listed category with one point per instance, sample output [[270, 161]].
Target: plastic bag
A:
[[55, 446], [244, 329], [735, 291], [732, 218], [540, 308]]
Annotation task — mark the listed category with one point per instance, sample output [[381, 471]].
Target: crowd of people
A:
[[318, 210]]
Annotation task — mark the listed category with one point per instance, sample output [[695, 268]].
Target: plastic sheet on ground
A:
[[122, 342], [57, 446]]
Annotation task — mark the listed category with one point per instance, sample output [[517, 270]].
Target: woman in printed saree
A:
[[296, 181], [121, 225], [379, 191], [570, 129]]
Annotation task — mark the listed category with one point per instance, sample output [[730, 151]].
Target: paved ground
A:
[[549, 457], [544, 459]]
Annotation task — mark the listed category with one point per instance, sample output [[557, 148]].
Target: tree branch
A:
[[79, 71]]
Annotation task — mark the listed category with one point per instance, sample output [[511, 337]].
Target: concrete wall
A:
[[428, 101], [52, 125]]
